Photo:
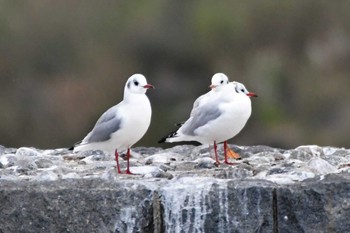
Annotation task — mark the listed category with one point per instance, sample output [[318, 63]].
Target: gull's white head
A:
[[137, 84], [240, 88], [218, 81]]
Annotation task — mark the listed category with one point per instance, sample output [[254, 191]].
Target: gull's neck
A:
[[131, 98]]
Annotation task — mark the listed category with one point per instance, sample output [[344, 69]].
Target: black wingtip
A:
[[179, 124], [170, 135], [75, 144], [162, 140]]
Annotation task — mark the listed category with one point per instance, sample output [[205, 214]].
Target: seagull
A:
[[218, 81], [122, 125], [216, 117]]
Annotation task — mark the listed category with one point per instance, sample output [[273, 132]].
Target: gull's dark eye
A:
[[222, 81], [242, 90], [136, 83]]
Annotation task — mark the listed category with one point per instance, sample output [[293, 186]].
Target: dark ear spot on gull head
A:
[[240, 88], [137, 84], [218, 79]]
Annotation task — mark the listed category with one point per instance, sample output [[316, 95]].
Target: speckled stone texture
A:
[[306, 189]]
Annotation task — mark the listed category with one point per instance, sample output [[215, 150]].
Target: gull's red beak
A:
[[251, 94], [212, 86], [148, 86]]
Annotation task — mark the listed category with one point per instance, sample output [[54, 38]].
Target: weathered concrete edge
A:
[[282, 202]]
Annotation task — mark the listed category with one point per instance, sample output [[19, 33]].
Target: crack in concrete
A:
[[274, 211]]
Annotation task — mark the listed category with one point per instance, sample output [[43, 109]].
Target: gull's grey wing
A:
[[197, 103], [202, 115], [107, 124]]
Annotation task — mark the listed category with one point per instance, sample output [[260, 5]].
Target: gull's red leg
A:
[[216, 153], [128, 164], [117, 160]]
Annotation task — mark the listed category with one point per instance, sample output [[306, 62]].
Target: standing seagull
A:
[[218, 81], [220, 117], [124, 124]]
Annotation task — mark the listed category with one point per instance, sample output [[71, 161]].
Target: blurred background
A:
[[63, 63]]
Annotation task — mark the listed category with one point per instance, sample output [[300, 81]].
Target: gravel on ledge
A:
[[258, 162]]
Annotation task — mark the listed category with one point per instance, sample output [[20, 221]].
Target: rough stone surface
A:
[[90, 205], [180, 189], [315, 205]]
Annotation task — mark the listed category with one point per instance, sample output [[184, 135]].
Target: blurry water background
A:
[[63, 63]]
